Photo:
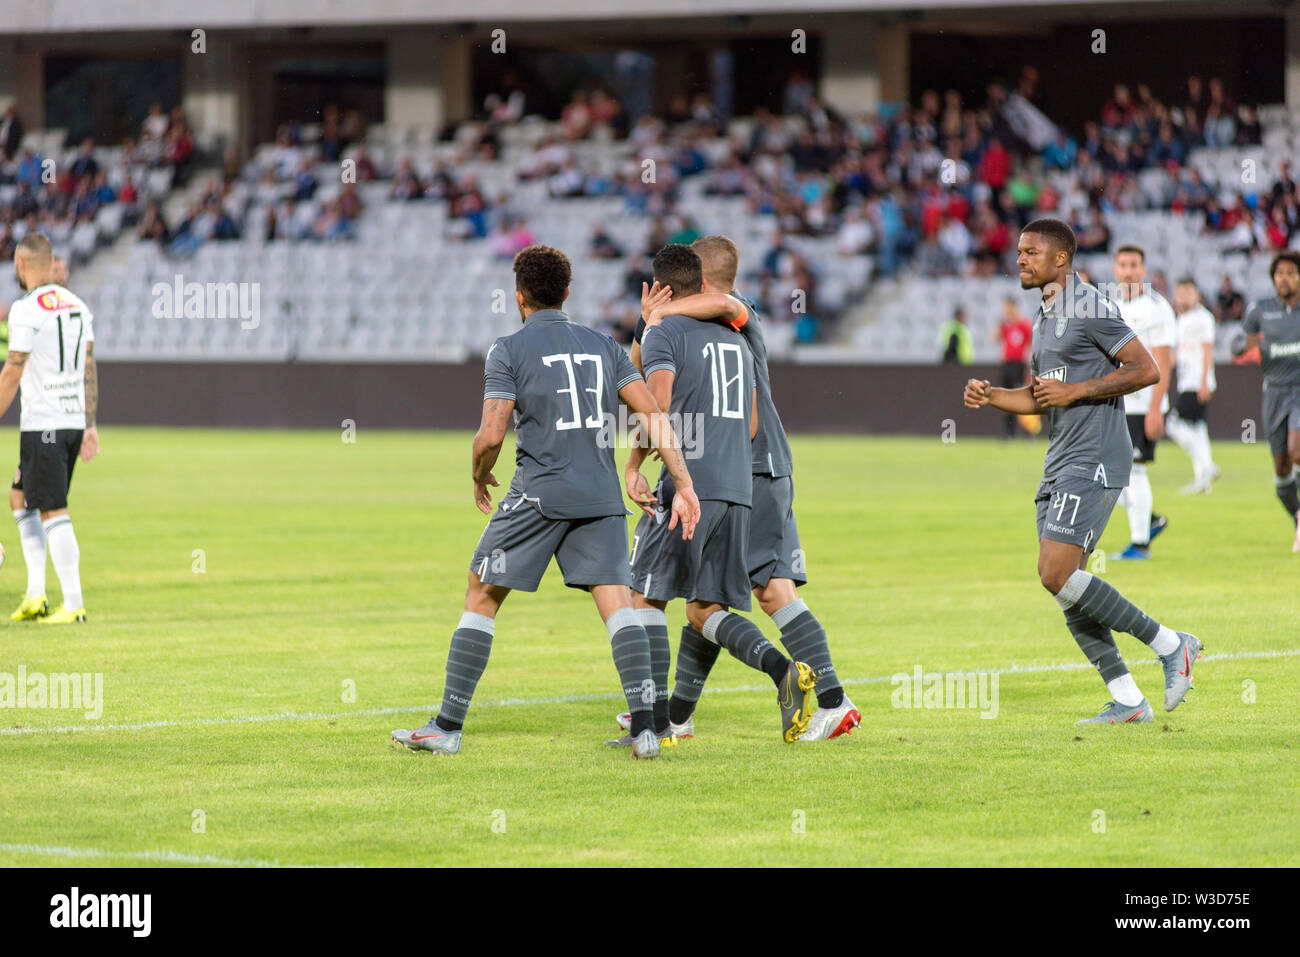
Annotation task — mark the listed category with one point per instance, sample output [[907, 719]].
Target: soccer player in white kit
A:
[[51, 357], [1149, 315], [1194, 361]]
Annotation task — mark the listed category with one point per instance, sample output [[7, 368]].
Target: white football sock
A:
[[66, 557], [1166, 641], [1125, 690], [32, 536], [1206, 459], [1138, 504]]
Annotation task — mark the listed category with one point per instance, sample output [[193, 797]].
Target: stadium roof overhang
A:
[[77, 16]]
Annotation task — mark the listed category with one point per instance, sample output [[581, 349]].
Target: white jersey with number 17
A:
[[53, 326]]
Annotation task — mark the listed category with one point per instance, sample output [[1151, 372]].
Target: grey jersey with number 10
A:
[[1077, 340], [713, 398]]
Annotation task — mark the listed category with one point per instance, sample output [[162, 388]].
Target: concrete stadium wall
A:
[[883, 399]]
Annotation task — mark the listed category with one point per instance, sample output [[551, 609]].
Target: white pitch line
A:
[[570, 699], [153, 857]]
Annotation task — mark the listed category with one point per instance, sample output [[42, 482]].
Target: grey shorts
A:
[[1074, 509], [516, 548], [774, 550], [1281, 415], [709, 568]]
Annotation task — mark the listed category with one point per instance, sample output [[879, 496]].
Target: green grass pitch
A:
[[229, 733]]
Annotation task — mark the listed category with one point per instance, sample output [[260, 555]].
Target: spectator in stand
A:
[[1285, 185], [602, 245], [406, 183], [1094, 235], [1249, 130], [576, 119], [1230, 305], [1015, 333]]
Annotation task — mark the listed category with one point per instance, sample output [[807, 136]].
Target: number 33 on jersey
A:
[[53, 326]]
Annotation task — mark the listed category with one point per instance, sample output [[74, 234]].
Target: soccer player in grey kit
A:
[[1085, 358], [703, 372], [560, 381], [1273, 324]]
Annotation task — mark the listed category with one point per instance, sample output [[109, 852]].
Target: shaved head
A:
[[720, 259], [33, 260], [36, 248]]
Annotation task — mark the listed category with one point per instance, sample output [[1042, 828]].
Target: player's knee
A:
[[775, 595], [1053, 576], [1293, 449], [1282, 465], [697, 615], [16, 499]]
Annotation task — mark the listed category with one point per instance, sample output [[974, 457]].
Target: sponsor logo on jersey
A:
[[53, 301], [1284, 349], [1057, 374]]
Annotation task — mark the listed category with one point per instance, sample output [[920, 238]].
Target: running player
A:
[[559, 380], [1149, 315], [776, 560], [1196, 384], [52, 357], [1273, 324], [1084, 358], [704, 373]]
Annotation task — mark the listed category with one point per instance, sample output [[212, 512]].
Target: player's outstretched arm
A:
[[642, 402], [980, 392], [487, 446], [1137, 370], [704, 305], [90, 439], [10, 377]]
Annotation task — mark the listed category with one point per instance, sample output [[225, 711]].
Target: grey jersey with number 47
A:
[[1076, 340], [713, 398], [564, 379], [1280, 347]]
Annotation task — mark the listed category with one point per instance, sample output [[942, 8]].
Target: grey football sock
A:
[[805, 640], [1097, 644], [695, 658], [1289, 495], [1101, 602], [742, 638], [631, 647], [655, 623], [471, 644]]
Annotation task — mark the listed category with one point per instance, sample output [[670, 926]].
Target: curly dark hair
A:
[[542, 274], [1286, 256], [679, 267]]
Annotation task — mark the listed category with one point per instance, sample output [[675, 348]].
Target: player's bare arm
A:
[[753, 414], [10, 377], [981, 392], [705, 305], [637, 397], [487, 446], [1205, 393], [1155, 419], [90, 439], [1137, 370]]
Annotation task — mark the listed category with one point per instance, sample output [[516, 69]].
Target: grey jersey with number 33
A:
[[564, 379], [1075, 340]]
